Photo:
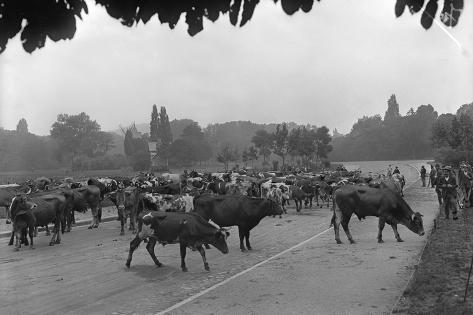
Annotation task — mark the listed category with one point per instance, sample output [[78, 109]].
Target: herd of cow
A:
[[194, 209]]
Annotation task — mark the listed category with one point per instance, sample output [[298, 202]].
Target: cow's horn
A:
[[29, 191]]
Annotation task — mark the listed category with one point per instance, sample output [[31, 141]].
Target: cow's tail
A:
[[334, 216]]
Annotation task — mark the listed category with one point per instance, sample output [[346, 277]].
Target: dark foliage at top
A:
[[37, 19]]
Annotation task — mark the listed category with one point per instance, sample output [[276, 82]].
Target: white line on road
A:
[[189, 299]]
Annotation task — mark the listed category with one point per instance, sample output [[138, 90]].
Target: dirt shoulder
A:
[[438, 284]]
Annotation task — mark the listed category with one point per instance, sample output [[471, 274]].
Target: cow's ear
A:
[[184, 221], [227, 233]]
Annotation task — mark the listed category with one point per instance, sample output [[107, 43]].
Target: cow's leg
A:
[[17, 240], [69, 220], [183, 257], [247, 237], [12, 237], [133, 246], [99, 214], [345, 220], [35, 231], [56, 239], [202, 253], [381, 223], [336, 219], [241, 233], [30, 233], [150, 248], [95, 221], [46, 227], [122, 217], [396, 233]]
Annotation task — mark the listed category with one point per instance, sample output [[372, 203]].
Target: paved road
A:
[[86, 274]]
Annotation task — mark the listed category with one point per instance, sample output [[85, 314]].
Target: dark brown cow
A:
[[126, 200], [381, 202], [187, 229], [79, 200], [230, 210], [49, 209], [298, 195], [23, 220]]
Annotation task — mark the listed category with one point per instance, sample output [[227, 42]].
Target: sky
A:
[[331, 66]]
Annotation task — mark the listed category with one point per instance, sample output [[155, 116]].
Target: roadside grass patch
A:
[[439, 281]]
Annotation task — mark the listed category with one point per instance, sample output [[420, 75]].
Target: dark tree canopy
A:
[[56, 19]]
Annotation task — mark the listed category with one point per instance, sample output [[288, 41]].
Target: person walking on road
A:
[[448, 186], [390, 171], [423, 173], [432, 176], [438, 175]]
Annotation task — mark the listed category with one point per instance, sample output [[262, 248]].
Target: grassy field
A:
[[438, 284]]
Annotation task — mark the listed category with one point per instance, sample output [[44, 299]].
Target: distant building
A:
[[153, 152]]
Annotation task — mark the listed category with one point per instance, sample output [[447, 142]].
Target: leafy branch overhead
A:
[[56, 19]]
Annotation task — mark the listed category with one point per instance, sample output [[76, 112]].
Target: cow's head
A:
[[219, 240], [19, 205], [416, 224], [120, 195]]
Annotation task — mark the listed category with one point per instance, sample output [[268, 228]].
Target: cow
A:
[[126, 200], [298, 195], [79, 200], [275, 194], [381, 202], [49, 209], [242, 211], [167, 203], [23, 220], [187, 229], [217, 187]]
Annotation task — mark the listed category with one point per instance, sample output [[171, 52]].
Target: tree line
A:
[[394, 137]]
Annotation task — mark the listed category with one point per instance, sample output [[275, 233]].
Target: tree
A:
[[164, 134], [392, 113], [244, 157], [153, 125], [191, 146], [22, 127], [281, 142], [57, 19], [76, 134], [227, 155], [252, 154], [263, 140], [322, 143]]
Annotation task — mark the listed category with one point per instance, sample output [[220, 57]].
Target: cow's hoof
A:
[[122, 233], [90, 227], [32, 247], [51, 243], [8, 222], [352, 242], [127, 265], [184, 269], [339, 242], [243, 249], [400, 240], [10, 244], [17, 249], [207, 267], [380, 241], [58, 242], [159, 265]]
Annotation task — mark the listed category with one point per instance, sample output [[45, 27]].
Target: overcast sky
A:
[[327, 67]]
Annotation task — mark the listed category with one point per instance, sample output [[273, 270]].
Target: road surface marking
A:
[[189, 299]]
